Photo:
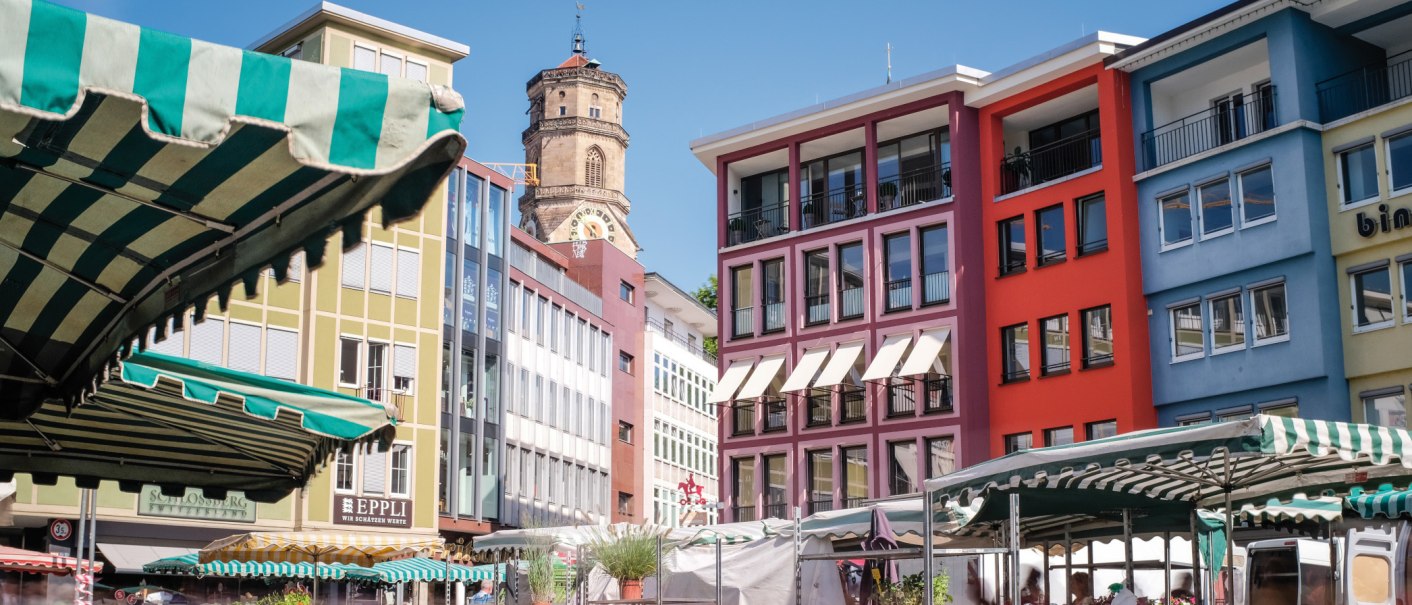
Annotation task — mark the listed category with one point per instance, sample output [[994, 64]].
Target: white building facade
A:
[[683, 446]]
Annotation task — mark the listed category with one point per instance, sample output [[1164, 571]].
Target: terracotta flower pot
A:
[[629, 589], [542, 603]]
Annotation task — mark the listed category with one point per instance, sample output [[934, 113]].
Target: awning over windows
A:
[[842, 361], [805, 371], [926, 351], [730, 381], [889, 355], [765, 373]]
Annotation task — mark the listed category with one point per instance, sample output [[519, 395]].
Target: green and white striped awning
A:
[[176, 422], [188, 565], [143, 174], [1386, 501], [421, 569], [1298, 509]]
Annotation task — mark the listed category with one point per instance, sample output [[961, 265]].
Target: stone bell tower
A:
[[576, 138]]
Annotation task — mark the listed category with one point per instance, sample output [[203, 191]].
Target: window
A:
[[771, 295], [400, 470], [555, 322], [742, 291], [941, 459], [1399, 162], [344, 470], [1406, 291], [1227, 323], [1054, 357], [1176, 220], [1257, 196], [624, 432], [374, 468], [1050, 235], [416, 71], [1015, 363], [404, 368], [820, 481], [1093, 224], [380, 269], [1101, 430], [625, 292], [816, 287], [1188, 335], [281, 352], [1216, 217], [595, 112], [624, 362], [377, 363], [1063, 435], [1387, 407], [365, 58], [243, 347], [1271, 313], [293, 51], [1098, 336], [563, 111], [898, 249], [1194, 419], [1372, 299], [409, 267], [1289, 409], [936, 271], [593, 168], [744, 473], [1012, 245], [850, 281], [1018, 442], [855, 476], [348, 349], [625, 504], [776, 486], [902, 464], [355, 262], [390, 65], [1358, 174]]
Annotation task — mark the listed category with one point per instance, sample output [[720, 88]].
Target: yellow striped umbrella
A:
[[316, 547]]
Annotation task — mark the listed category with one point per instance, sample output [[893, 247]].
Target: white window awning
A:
[[129, 558], [765, 373], [926, 351], [730, 381], [839, 365], [889, 355], [805, 371]]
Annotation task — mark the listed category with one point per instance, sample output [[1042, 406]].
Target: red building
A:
[[1066, 323]]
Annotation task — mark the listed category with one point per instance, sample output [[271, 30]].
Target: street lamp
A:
[[452, 549]]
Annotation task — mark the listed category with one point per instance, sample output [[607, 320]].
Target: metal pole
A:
[[720, 584], [78, 543], [1195, 559], [314, 595], [1046, 570], [1068, 565], [92, 539], [1014, 548], [448, 574], [1230, 550], [580, 582], [798, 570], [1128, 548], [1167, 565], [928, 549], [659, 570]]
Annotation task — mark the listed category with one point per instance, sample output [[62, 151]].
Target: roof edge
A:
[[1180, 32], [659, 277], [448, 46]]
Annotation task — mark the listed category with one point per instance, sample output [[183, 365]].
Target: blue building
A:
[[1240, 282]]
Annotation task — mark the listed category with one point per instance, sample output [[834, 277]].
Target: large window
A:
[[1188, 335], [772, 294], [744, 473], [1093, 224], [855, 476], [626, 292], [344, 475], [898, 248], [1012, 245], [1227, 323], [936, 272], [742, 290], [1050, 225], [1216, 216], [1372, 298], [776, 486], [1018, 442], [850, 280], [1271, 321], [820, 480], [832, 189], [400, 470], [1386, 407], [1054, 358], [1015, 361], [1101, 430], [1063, 435], [1406, 267], [902, 465], [913, 170], [1399, 162], [1358, 174], [1257, 196], [816, 287], [1176, 219], [348, 362], [1098, 336], [941, 459]]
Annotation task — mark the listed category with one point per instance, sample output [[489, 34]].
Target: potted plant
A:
[[543, 586], [737, 227], [628, 554], [807, 213], [887, 193]]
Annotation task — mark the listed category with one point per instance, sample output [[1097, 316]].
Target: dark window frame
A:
[[1042, 259], [890, 282], [1007, 344], [1090, 361], [1090, 426], [924, 271], [1013, 438], [838, 273], [1007, 256], [1055, 369], [823, 295], [1084, 247]]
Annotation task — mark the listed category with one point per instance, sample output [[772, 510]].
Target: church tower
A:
[[576, 138]]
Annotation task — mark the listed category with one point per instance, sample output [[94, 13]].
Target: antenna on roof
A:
[[579, 45], [889, 62]]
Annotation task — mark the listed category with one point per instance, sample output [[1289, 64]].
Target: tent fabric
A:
[[925, 352], [132, 558], [805, 370], [176, 421], [29, 561], [735, 533], [730, 381], [765, 372], [323, 547], [888, 356], [839, 365], [905, 517], [759, 572], [189, 564], [1386, 501], [421, 569], [145, 173], [1299, 509]]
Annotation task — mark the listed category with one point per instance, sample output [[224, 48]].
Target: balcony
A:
[[1024, 169], [744, 513], [914, 187], [1222, 124], [853, 404], [833, 206], [757, 223], [854, 501], [816, 309], [776, 416], [686, 343], [899, 294], [820, 506], [901, 399], [777, 510], [937, 395], [820, 406], [399, 402], [743, 418], [850, 303], [774, 317], [936, 288], [1365, 88], [742, 322]]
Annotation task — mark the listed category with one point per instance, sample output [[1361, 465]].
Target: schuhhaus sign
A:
[[364, 510], [234, 509]]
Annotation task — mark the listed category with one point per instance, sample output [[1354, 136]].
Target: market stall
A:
[[320, 549]]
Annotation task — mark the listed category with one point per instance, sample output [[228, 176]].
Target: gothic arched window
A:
[[593, 168]]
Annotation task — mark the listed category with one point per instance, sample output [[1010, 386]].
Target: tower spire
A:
[[580, 46]]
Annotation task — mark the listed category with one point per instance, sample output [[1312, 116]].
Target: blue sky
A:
[[692, 68]]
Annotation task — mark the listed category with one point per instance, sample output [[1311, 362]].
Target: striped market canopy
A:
[[321, 547], [1386, 501], [29, 561], [188, 565], [143, 174], [905, 517], [177, 422], [1299, 509], [421, 569]]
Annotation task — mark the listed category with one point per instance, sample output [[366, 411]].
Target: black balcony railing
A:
[[743, 513], [820, 404], [820, 506], [899, 294], [742, 322], [777, 510], [854, 406], [850, 303], [757, 224], [816, 309], [776, 416], [914, 187], [1025, 169], [1365, 88], [743, 418], [936, 287], [853, 502], [831, 207], [1224, 123], [936, 395], [901, 398], [774, 317]]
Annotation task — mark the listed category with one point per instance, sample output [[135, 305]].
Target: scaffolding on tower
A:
[[523, 174]]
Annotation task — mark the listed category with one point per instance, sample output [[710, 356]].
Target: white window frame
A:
[[1162, 221], [387, 361], [1210, 322], [1240, 194], [423, 64], [401, 62], [1200, 231], [353, 458], [1172, 331], [353, 57], [338, 368], [1353, 300], [595, 112], [390, 470], [259, 346], [391, 269], [1254, 337], [1342, 182], [1387, 161]]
